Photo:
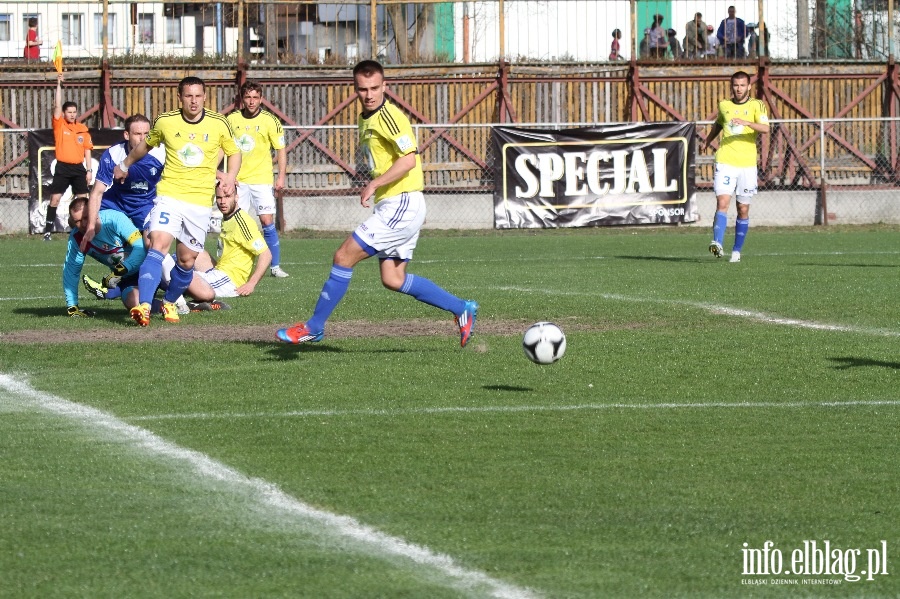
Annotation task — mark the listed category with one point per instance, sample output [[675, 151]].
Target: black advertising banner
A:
[[42, 164], [621, 174]]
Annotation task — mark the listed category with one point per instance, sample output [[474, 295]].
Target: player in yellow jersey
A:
[[741, 119], [391, 233], [234, 274], [193, 138], [258, 132]]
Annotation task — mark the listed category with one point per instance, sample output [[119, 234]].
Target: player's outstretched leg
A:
[[428, 292], [332, 293]]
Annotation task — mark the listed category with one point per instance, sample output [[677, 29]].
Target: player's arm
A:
[[89, 176], [398, 170], [281, 159], [121, 170], [57, 99], [93, 208], [760, 123], [262, 267], [713, 133], [233, 166], [137, 254]]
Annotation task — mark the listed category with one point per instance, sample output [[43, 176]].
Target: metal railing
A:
[[450, 31], [809, 160]]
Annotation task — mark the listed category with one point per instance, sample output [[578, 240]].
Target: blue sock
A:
[[425, 291], [332, 292], [720, 222], [270, 234], [151, 273], [113, 293], [181, 278], [741, 226]]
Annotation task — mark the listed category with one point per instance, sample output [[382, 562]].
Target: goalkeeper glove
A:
[[112, 279], [76, 312]]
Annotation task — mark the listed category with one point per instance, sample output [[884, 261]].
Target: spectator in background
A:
[[614, 47], [675, 45], [32, 41], [659, 38], [859, 33], [732, 32], [644, 47], [712, 42], [695, 38], [752, 41]]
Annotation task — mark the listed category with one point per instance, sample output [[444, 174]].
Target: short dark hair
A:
[[77, 201], [135, 118], [251, 86], [188, 81], [32, 21], [67, 105], [367, 68], [616, 32], [741, 75]]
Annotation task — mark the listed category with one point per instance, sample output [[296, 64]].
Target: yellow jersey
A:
[[256, 136], [738, 147], [241, 242], [192, 154], [384, 136]]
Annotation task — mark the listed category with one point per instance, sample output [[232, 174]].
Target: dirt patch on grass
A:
[[184, 331]]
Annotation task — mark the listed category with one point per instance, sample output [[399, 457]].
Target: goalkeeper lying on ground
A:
[[235, 274], [117, 244]]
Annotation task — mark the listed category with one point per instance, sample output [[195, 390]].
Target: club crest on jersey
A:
[[190, 155], [245, 143]]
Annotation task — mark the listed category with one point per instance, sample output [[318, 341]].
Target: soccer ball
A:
[[544, 343]]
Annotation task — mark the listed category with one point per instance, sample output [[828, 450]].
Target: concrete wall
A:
[[476, 211]]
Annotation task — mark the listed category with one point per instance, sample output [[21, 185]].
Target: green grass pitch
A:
[[702, 409]]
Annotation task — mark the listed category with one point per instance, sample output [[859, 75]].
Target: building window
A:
[[25, 17], [173, 30], [5, 28], [98, 29], [145, 28], [71, 29]]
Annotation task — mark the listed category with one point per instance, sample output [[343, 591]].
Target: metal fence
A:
[[811, 172], [450, 31]]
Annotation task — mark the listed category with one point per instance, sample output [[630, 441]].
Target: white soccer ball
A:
[[544, 343]]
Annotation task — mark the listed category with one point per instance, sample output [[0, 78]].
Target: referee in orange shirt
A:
[[73, 156]]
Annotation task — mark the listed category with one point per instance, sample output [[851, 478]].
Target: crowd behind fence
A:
[[324, 174], [452, 31]]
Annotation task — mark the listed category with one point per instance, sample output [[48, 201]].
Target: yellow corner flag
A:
[[57, 57]]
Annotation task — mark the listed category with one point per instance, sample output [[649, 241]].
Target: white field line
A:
[[58, 298], [716, 309], [364, 538], [438, 410]]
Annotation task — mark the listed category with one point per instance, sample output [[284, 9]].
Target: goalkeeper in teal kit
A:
[[117, 244]]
